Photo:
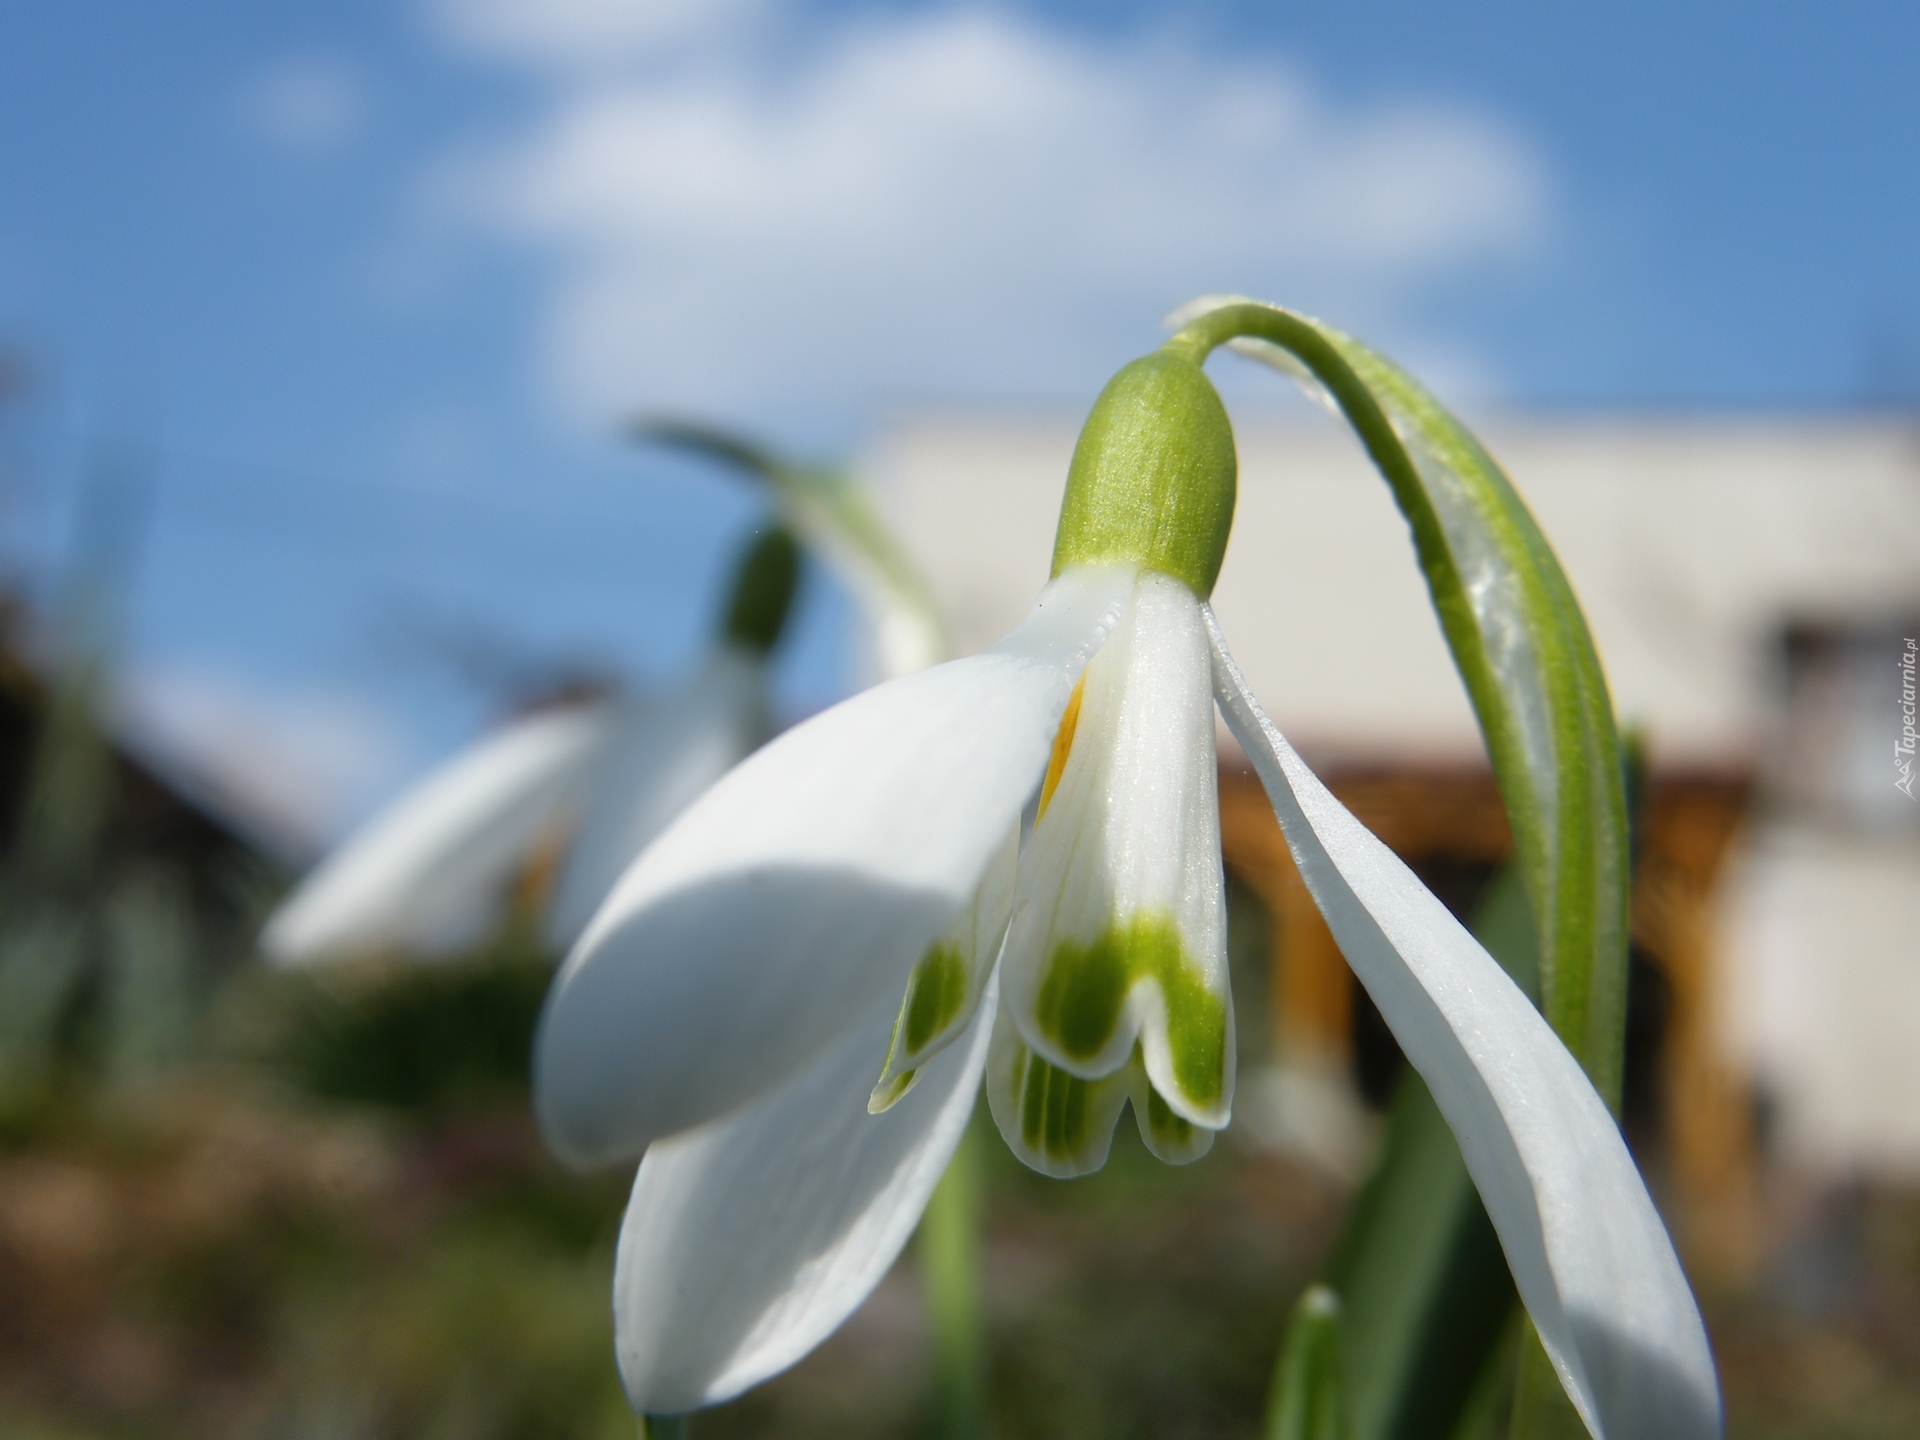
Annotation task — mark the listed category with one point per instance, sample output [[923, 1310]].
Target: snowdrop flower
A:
[[428, 875], [791, 998]]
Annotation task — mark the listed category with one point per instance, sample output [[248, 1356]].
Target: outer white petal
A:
[[750, 1239], [802, 888], [426, 872], [663, 755], [1588, 1252], [1119, 924]]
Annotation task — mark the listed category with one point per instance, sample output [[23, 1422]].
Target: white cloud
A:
[[587, 34], [309, 104], [960, 200], [293, 767]]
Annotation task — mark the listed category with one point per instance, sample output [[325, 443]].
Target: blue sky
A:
[[364, 287]]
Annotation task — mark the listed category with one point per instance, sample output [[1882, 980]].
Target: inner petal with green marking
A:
[[1058, 1124], [1086, 989], [1062, 1125], [944, 989], [1116, 953]]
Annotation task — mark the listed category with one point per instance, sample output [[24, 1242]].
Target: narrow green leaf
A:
[[833, 515], [1306, 1402], [1541, 1409], [1521, 645], [1424, 1280], [1489, 1410]]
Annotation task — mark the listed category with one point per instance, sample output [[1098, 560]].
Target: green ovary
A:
[[1086, 987]]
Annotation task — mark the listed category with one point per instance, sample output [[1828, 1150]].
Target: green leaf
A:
[[1306, 1403], [1426, 1287], [1521, 645], [1541, 1409], [1489, 1410], [832, 514]]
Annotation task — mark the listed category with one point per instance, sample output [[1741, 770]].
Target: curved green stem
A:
[[1524, 652], [1522, 648]]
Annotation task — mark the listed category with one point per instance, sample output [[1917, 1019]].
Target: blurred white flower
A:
[[595, 781]]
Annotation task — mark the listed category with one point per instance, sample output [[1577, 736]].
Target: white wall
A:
[[1688, 541]]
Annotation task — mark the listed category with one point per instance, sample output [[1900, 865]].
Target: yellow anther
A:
[[1062, 744]]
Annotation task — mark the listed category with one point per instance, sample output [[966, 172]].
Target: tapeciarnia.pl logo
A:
[[1903, 747]]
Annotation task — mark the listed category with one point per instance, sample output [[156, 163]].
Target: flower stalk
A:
[[949, 1250], [1522, 649]]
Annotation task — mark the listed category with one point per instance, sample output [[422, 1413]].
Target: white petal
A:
[[1170, 1136], [663, 755], [1056, 1123], [802, 888], [427, 871], [946, 985], [1588, 1252], [1062, 1125], [750, 1239], [1119, 923]]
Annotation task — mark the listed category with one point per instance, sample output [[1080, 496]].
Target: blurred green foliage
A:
[[424, 1039], [245, 1205]]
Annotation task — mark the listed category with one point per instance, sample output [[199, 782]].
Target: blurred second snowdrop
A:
[[569, 793], [580, 785]]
